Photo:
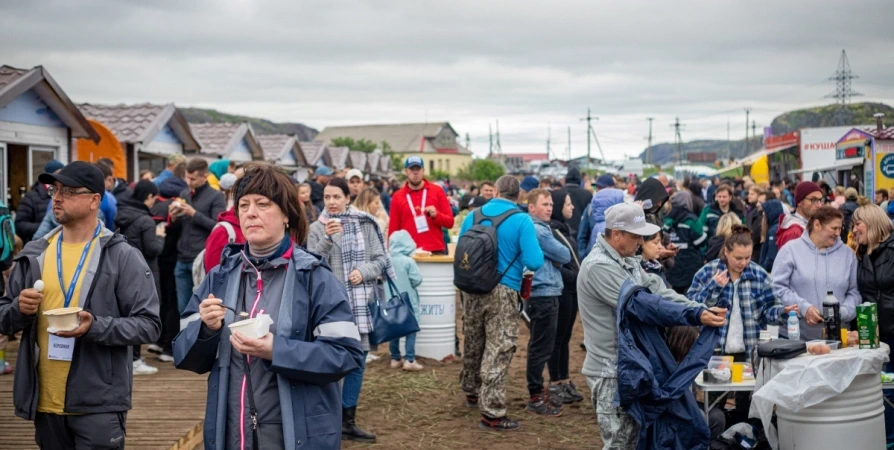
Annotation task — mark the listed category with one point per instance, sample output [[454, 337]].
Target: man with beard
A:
[[421, 208]]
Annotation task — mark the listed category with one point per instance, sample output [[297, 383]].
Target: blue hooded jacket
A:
[[773, 210], [314, 347], [652, 387], [602, 201], [402, 246]]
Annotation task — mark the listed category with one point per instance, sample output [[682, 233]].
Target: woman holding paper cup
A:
[[285, 381], [352, 243]]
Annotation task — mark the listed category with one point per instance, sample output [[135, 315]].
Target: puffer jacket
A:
[[685, 232], [31, 211], [315, 345], [135, 223], [848, 208], [548, 278], [119, 290], [408, 275], [773, 210], [602, 201], [652, 387], [875, 279]]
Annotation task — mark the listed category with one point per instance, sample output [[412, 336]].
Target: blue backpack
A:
[[7, 238]]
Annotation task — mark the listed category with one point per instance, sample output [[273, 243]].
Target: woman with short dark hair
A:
[[279, 390]]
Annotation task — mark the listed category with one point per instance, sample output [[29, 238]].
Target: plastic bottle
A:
[[831, 317], [794, 327]]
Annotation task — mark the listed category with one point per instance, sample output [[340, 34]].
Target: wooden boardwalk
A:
[[167, 413]]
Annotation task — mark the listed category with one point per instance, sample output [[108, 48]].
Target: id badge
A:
[[421, 224], [60, 349]]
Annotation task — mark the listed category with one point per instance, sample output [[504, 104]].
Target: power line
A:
[[649, 138], [589, 129]]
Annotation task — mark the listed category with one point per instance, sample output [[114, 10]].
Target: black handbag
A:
[[393, 318], [781, 349]]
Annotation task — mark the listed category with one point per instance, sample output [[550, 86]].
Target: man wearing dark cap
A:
[[135, 222], [33, 207], [321, 177], [76, 384], [580, 197], [527, 185], [808, 198]]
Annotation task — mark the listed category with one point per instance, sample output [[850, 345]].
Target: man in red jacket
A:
[[808, 197], [421, 208]]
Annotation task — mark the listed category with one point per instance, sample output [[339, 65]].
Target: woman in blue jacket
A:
[[280, 390]]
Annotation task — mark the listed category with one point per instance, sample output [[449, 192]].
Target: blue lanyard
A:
[[69, 293]]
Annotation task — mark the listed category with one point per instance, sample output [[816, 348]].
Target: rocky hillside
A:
[[261, 126], [820, 116]]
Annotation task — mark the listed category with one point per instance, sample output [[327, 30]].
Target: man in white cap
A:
[[611, 262], [355, 183]]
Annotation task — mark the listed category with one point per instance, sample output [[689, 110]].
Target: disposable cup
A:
[[62, 319], [257, 327], [738, 371]]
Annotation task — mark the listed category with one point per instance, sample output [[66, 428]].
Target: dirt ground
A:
[[427, 409]]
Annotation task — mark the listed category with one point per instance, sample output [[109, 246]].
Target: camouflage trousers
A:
[[619, 431], [490, 331]]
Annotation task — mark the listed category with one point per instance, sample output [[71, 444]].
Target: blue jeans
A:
[[409, 346], [350, 389], [183, 279]]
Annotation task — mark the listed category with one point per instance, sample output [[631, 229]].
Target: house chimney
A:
[[878, 121]]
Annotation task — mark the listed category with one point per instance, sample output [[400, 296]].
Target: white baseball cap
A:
[[629, 217], [354, 173]]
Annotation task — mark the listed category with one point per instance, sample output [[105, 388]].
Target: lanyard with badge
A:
[[421, 220], [62, 349]]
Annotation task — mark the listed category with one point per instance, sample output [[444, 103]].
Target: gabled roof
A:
[[315, 153], [406, 137], [276, 146], [884, 134], [373, 162], [139, 124], [338, 157], [15, 82], [358, 160], [385, 164], [222, 138]]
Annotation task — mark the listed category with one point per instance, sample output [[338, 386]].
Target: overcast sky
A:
[[472, 63]]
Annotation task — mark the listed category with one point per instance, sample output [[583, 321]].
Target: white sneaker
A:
[[412, 366], [165, 357], [396, 364], [154, 348], [371, 357], [141, 368]]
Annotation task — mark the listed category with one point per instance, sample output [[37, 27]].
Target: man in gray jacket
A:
[[611, 262], [75, 384]]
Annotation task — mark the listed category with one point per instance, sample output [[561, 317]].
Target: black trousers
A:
[[544, 314], [89, 431], [155, 276], [558, 361], [167, 295]]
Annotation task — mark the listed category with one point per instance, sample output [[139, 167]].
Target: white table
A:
[[745, 386]]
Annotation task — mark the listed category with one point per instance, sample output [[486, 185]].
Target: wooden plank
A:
[[168, 409]]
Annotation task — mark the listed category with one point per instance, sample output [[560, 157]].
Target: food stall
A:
[[875, 149]]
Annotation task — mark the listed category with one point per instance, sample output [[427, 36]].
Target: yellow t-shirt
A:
[[53, 374]]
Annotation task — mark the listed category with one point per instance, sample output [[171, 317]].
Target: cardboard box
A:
[[867, 325]]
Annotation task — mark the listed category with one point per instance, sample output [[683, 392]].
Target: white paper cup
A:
[[62, 319], [255, 328], [335, 220]]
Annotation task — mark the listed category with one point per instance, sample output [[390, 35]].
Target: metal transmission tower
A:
[[678, 140], [747, 145], [843, 91], [569, 143], [490, 135], [549, 132], [649, 139]]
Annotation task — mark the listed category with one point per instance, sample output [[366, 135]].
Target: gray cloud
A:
[[524, 63]]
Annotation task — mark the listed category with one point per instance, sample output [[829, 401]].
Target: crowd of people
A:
[[167, 261]]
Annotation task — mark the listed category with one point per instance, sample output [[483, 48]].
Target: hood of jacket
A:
[[129, 210], [229, 216], [231, 258], [792, 218], [836, 247], [652, 189], [773, 209], [573, 176], [219, 167], [681, 206], [401, 243], [558, 197], [172, 187], [41, 190], [604, 200]]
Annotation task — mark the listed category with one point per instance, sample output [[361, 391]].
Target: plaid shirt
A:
[[758, 303]]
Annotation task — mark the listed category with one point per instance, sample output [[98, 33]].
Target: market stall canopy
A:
[[839, 165]]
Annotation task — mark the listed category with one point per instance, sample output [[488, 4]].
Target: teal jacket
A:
[[408, 275]]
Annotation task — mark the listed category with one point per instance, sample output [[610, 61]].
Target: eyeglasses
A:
[[66, 192], [814, 200]]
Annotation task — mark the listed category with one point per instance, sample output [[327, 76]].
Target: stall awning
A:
[[839, 165]]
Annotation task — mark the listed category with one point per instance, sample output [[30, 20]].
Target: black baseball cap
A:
[[77, 174]]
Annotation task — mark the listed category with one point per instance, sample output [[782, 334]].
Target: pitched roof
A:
[[15, 82], [221, 138], [338, 157], [406, 137], [883, 134], [140, 123], [373, 160], [385, 164], [276, 146], [315, 153], [357, 160]]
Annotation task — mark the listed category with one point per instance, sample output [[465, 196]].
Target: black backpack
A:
[[476, 258]]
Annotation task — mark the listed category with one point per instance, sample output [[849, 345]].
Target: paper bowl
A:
[[62, 319], [254, 328]]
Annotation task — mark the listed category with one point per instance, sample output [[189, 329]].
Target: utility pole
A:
[[729, 150], [753, 128], [549, 131], [500, 147], [589, 130], [649, 138], [747, 146], [843, 91], [468, 142], [569, 143], [490, 135], [678, 139]]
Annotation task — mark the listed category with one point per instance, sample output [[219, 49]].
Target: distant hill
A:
[[261, 126], [820, 116]]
